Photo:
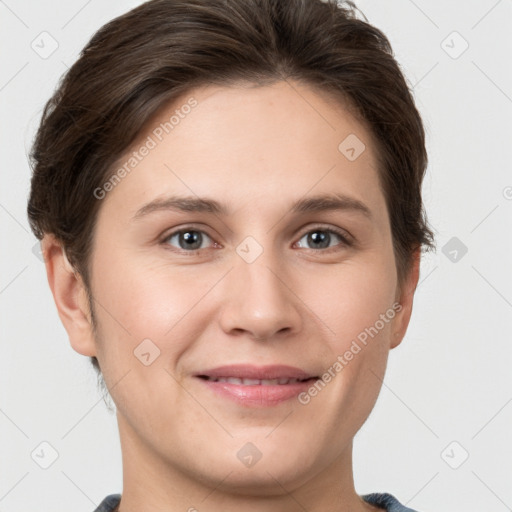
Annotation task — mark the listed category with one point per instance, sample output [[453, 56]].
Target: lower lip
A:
[[257, 395]]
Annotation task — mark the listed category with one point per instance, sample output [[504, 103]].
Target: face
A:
[[282, 256]]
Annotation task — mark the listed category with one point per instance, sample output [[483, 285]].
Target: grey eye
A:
[[188, 239], [320, 238]]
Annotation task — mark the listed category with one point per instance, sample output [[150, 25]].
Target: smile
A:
[[256, 382]]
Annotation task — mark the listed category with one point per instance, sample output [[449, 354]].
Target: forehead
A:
[[248, 141]]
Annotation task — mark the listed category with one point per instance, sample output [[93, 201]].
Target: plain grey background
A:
[[439, 436]]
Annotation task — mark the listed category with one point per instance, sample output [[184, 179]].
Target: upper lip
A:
[[248, 371]]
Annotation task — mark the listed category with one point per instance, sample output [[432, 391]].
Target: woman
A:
[[228, 195]]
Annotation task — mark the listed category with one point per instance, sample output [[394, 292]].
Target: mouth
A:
[[250, 372], [257, 382], [251, 386]]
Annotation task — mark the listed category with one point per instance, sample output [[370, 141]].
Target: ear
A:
[[70, 296], [405, 296]]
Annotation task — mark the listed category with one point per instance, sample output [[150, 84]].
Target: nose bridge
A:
[[258, 298]]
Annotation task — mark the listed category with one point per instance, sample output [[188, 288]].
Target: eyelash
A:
[[346, 242]]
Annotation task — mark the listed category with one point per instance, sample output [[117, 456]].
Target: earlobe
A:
[[70, 296], [405, 298]]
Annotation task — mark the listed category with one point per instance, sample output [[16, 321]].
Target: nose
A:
[[259, 300]]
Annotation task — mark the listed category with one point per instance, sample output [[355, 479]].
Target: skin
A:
[[257, 150]]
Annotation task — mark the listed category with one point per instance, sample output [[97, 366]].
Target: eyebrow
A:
[[318, 203]]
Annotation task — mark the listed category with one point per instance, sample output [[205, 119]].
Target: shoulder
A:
[[109, 503], [386, 501]]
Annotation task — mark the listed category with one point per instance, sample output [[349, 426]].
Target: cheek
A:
[[141, 301], [356, 304], [350, 298]]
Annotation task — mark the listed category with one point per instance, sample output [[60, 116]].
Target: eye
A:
[[191, 239], [321, 239], [188, 239]]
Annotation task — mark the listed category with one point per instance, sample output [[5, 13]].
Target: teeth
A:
[[255, 382]]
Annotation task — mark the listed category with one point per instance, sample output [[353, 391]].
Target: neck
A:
[[154, 483]]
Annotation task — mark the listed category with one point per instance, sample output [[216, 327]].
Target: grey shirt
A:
[[383, 500]]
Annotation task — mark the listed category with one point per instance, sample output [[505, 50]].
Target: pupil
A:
[[320, 237], [191, 238]]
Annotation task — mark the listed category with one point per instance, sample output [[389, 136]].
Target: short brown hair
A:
[[162, 49]]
